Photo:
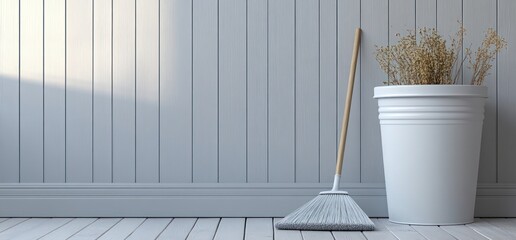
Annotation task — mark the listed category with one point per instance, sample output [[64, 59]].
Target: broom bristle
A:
[[336, 212]]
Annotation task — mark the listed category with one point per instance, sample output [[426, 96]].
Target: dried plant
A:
[[425, 58], [484, 55]]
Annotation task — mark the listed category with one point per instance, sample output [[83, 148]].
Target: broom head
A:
[[329, 211]]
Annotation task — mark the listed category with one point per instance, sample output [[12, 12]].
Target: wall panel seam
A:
[[112, 98], [135, 89], [43, 87], [267, 91], [92, 91], [319, 91], [246, 92], [295, 92], [159, 91], [360, 103], [192, 93], [19, 90], [218, 90], [65, 88], [497, 113]]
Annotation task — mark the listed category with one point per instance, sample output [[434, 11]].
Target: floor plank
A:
[[401, 231], [230, 229], [48, 225], [204, 228], [178, 229], [259, 229], [433, 232], [150, 229], [341, 235], [96, 229], [122, 229], [286, 234], [380, 233], [237, 229], [317, 235], [69, 229], [22, 228], [11, 222], [462, 232], [506, 224], [489, 230]]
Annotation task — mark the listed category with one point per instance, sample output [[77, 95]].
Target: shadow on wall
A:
[[71, 132]]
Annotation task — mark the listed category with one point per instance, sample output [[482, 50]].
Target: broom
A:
[[333, 210]]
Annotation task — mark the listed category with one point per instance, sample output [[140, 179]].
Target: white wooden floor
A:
[[236, 228]]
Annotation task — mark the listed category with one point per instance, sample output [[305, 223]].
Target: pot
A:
[[431, 136]]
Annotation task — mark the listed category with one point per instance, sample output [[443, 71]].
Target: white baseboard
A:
[[207, 200]]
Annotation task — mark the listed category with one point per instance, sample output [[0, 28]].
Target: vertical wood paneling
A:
[[426, 13], [449, 17], [506, 96], [124, 91], [449, 14], [307, 91], [9, 91], [54, 87], [217, 91], [402, 18], [176, 91], [281, 91], [147, 90], [79, 48], [205, 91], [257, 82], [476, 23], [102, 86], [327, 89], [348, 20], [232, 91], [374, 19], [31, 91]]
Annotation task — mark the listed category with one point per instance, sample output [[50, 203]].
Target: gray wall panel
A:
[[328, 89], [449, 15], [282, 91], [506, 98], [54, 92], [307, 91], [257, 83], [426, 13], [402, 18], [349, 17], [175, 96], [9, 91], [102, 89], [476, 24], [31, 91], [79, 83], [124, 90], [205, 91], [375, 22], [147, 90], [232, 91]]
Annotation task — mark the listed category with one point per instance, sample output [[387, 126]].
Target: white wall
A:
[[219, 95]]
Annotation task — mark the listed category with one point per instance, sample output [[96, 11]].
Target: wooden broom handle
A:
[[347, 107]]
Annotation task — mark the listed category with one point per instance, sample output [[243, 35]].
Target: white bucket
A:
[[431, 137]]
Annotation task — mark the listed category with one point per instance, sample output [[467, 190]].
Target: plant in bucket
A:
[[431, 125]]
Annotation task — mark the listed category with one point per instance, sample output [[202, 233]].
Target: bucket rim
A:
[[400, 91]]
